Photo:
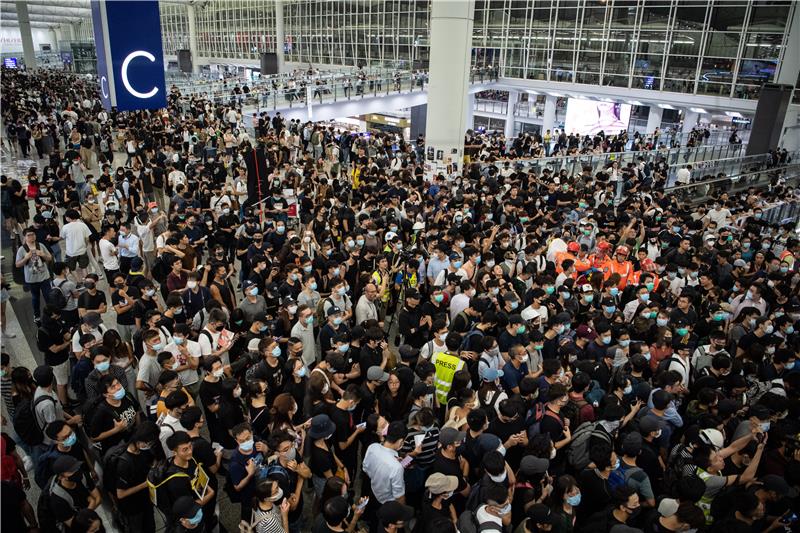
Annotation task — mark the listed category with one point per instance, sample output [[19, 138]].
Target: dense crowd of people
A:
[[360, 348]]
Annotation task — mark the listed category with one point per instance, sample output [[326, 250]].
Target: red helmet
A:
[[603, 245], [573, 247], [623, 250]]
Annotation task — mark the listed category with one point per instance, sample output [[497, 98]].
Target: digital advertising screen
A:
[[588, 117]]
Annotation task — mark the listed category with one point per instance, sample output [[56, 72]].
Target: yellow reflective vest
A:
[[446, 367]]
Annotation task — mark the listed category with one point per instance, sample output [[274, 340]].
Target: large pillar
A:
[[192, 16], [56, 37], [28, 52], [549, 117], [513, 97], [654, 118], [470, 122], [280, 36], [689, 120], [450, 49], [788, 74]]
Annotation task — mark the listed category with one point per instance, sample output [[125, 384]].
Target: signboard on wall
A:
[[130, 63]]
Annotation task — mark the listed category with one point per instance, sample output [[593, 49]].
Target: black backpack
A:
[[111, 461], [468, 523], [56, 296], [25, 422], [157, 478], [44, 509]]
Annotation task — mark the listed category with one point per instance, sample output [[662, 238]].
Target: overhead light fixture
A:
[[665, 106], [635, 102], [734, 114], [698, 110], [557, 95], [529, 91]]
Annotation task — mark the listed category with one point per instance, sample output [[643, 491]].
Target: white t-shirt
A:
[[109, 254], [145, 235], [206, 347], [188, 376], [176, 177], [75, 235]]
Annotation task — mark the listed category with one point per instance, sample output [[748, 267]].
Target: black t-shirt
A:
[[203, 453], [51, 334], [345, 426], [142, 307], [180, 485], [320, 526], [132, 469], [126, 318], [209, 395], [449, 467], [91, 301], [61, 509], [321, 461], [273, 375], [105, 417], [596, 493]]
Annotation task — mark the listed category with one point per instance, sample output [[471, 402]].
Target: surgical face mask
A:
[[360, 242], [616, 463], [310, 319], [276, 351], [625, 343], [247, 445], [71, 440], [661, 322], [499, 478], [504, 510], [344, 347], [553, 454], [278, 495], [769, 329], [513, 304], [575, 500], [218, 373], [789, 365], [150, 292], [610, 309], [175, 365], [565, 295], [764, 426], [157, 347], [341, 291], [302, 372], [682, 331], [196, 519], [520, 330], [191, 284], [120, 394], [588, 298], [237, 393], [549, 290], [290, 454], [645, 297], [457, 264], [614, 291], [606, 340], [102, 366], [628, 389], [438, 298]]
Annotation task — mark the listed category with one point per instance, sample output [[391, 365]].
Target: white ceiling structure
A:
[[46, 13], [51, 13]]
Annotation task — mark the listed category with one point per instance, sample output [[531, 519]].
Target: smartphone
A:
[[406, 461], [789, 518], [363, 504], [418, 440], [361, 425]]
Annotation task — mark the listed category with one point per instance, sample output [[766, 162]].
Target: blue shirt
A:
[[237, 470], [512, 376], [435, 265]]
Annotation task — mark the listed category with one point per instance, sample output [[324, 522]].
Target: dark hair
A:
[[177, 439], [191, 416]]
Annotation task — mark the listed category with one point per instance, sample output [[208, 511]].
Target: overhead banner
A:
[[130, 57]]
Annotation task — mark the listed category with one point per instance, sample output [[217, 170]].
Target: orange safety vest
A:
[[624, 269], [600, 264], [561, 257], [582, 265]]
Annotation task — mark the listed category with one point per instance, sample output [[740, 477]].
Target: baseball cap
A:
[[539, 513], [778, 484], [421, 388], [394, 511], [760, 412], [408, 352], [490, 374], [43, 374], [531, 465], [246, 284], [587, 288], [648, 425], [562, 318], [66, 464], [515, 319], [585, 332], [376, 373], [333, 310], [439, 483], [185, 507], [740, 263], [151, 205], [92, 318], [450, 436]]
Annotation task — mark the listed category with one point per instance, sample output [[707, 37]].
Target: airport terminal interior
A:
[[402, 266]]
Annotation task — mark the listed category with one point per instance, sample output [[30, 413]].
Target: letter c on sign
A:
[[127, 83], [103, 86]]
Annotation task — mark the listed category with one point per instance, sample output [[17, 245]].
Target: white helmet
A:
[[712, 437]]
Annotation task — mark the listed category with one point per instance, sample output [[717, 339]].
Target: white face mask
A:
[[553, 453], [499, 478]]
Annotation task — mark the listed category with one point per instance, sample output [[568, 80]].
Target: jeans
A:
[[55, 249], [82, 189], [36, 288]]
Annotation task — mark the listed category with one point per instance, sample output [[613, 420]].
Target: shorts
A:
[[61, 373], [81, 260]]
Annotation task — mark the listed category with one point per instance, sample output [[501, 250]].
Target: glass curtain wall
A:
[[174, 27], [235, 29]]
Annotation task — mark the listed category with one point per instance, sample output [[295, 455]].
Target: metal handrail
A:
[[737, 177]]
